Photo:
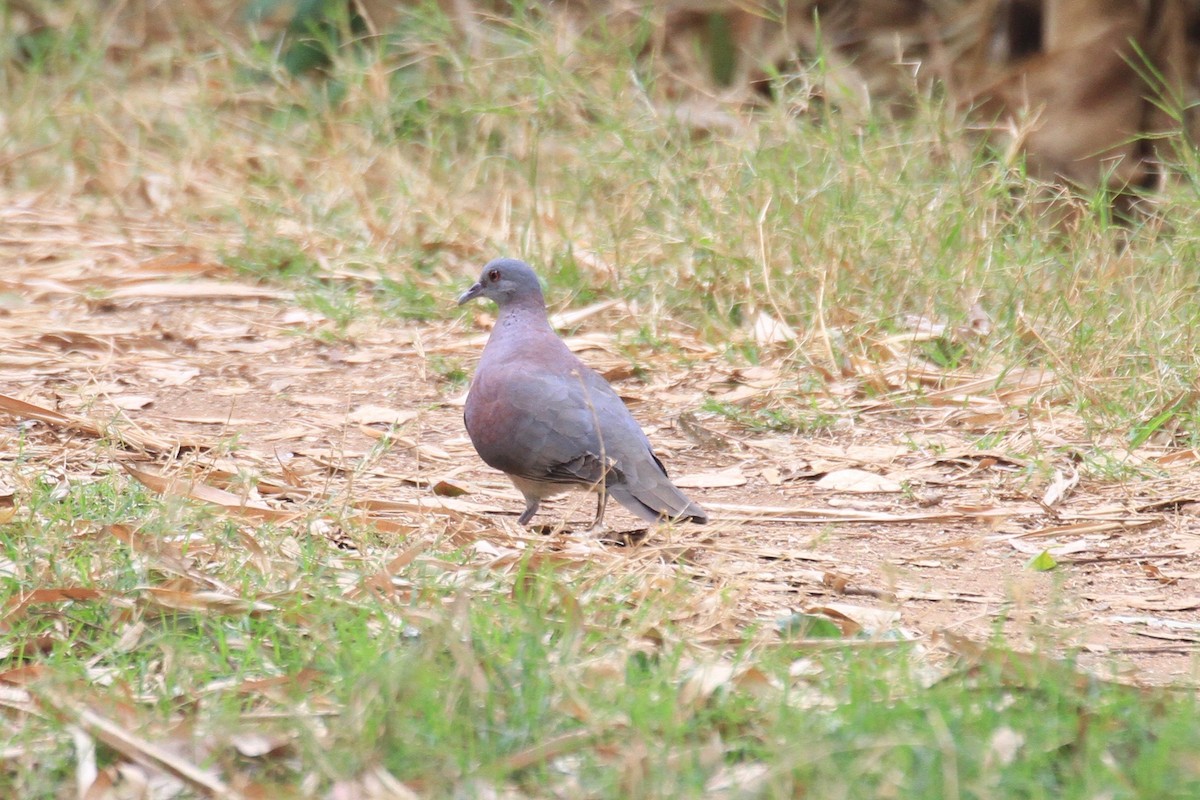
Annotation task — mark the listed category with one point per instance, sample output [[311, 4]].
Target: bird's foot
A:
[[630, 538]]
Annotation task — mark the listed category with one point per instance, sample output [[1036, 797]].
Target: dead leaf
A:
[[257, 744], [17, 604], [550, 748], [134, 746], [1056, 550], [1181, 604], [712, 480], [370, 415], [700, 434], [768, 330], [871, 620], [1061, 486], [131, 402], [219, 419], [445, 488], [184, 487], [374, 784], [425, 504], [858, 481], [211, 602], [194, 290], [132, 438], [1003, 747], [703, 681], [169, 374]]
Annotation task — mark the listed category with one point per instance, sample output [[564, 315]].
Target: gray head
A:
[[507, 281]]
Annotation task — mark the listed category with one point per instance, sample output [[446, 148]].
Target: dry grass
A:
[[248, 550]]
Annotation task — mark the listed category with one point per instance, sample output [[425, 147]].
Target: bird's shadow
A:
[[629, 538]]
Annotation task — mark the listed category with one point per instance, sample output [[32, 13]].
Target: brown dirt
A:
[[245, 372]]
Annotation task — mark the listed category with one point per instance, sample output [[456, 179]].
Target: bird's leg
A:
[[531, 507], [601, 503]]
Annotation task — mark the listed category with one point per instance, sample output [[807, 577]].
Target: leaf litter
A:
[[897, 510]]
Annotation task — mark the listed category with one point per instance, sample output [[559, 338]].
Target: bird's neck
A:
[[527, 314]]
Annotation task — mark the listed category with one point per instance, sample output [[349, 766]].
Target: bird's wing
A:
[[536, 425]]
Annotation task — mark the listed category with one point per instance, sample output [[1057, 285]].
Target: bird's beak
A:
[[470, 294]]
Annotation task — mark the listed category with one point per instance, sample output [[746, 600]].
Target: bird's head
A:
[[506, 281]]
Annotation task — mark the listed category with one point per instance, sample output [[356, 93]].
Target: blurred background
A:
[[1090, 90]]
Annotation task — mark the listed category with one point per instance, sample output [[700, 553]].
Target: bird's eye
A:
[[494, 275]]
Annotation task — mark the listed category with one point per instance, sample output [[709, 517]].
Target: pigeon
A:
[[550, 423]]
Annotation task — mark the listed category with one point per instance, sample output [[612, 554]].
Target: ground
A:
[[177, 366]]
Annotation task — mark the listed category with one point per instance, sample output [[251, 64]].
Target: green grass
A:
[[378, 187], [454, 696], [791, 416]]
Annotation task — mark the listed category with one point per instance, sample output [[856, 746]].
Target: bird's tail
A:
[[655, 499]]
